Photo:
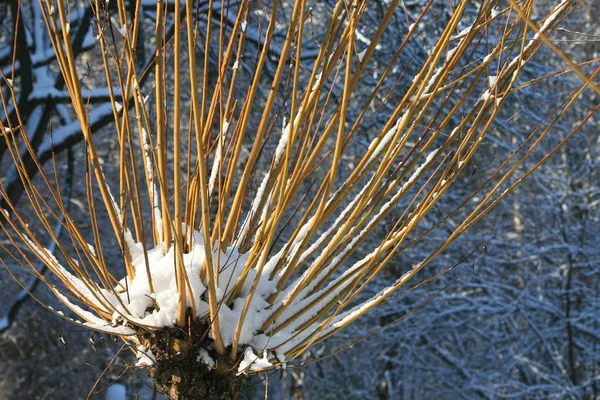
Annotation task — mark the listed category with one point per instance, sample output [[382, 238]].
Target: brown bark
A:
[[181, 374], [187, 380]]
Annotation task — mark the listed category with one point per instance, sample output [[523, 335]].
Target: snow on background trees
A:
[[517, 317]]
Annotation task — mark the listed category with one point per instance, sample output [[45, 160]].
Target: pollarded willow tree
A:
[[242, 225]]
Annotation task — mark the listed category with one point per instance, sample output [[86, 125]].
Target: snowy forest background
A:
[[516, 316]]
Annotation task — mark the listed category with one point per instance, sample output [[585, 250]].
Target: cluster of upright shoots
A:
[[201, 188]]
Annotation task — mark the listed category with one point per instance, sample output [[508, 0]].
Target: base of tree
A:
[[180, 371], [184, 381]]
